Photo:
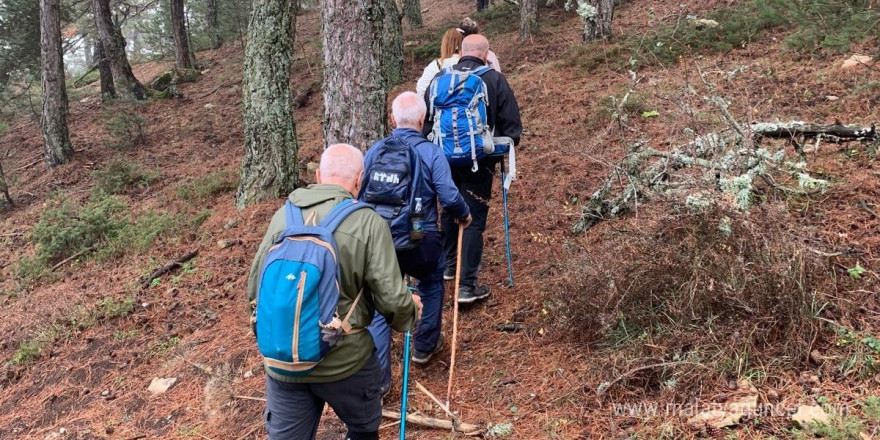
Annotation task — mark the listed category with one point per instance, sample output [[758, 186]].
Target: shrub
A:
[[102, 223], [29, 350], [206, 186], [667, 43], [119, 175], [737, 27], [727, 289], [126, 128], [65, 229], [138, 236], [828, 24], [498, 19], [428, 51]]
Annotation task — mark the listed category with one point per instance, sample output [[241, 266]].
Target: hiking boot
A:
[[448, 274], [468, 294], [422, 357]]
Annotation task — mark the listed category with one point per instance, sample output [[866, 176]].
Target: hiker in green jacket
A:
[[348, 376]]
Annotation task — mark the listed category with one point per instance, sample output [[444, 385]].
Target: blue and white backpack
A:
[[459, 103], [390, 184], [296, 313]]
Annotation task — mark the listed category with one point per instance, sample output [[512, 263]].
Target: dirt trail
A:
[[92, 382]]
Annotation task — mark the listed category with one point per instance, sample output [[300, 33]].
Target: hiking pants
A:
[[476, 188], [482, 4], [426, 264], [293, 410]]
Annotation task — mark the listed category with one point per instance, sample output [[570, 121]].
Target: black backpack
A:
[[390, 185]]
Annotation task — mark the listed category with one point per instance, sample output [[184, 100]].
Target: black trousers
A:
[[482, 4], [293, 410], [476, 188]]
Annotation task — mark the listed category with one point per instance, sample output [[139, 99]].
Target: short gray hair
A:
[[408, 109], [341, 162]]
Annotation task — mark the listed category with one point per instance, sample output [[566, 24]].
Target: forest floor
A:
[[81, 346]]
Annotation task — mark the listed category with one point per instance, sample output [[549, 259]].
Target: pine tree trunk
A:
[[88, 51], [392, 42], [54, 118], [269, 168], [4, 188], [354, 78], [113, 43], [528, 19], [412, 9], [108, 92], [597, 24], [183, 58], [213, 24]]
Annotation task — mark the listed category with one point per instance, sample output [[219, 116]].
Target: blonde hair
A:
[[450, 44]]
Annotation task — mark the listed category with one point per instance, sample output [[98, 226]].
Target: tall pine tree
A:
[[355, 80], [268, 169], [54, 118]]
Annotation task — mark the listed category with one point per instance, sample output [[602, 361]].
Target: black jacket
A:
[[503, 112]]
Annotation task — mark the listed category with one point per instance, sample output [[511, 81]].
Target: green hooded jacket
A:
[[367, 261]]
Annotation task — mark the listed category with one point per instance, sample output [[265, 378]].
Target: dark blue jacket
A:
[[436, 179]]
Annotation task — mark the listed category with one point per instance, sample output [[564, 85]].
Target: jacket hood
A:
[[317, 194]]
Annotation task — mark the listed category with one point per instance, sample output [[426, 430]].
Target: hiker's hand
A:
[[418, 302], [465, 222]]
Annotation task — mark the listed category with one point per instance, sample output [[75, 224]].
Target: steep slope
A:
[[97, 338]]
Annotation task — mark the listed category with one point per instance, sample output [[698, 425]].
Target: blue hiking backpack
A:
[[390, 185], [459, 103], [296, 314]]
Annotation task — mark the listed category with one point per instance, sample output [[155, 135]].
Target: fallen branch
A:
[[867, 209], [251, 432], [78, 81], [137, 437], [437, 401], [218, 88], [429, 422], [258, 399], [36, 161], [168, 268], [835, 132], [71, 258]]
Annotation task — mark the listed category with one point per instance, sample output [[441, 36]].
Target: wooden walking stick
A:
[[455, 315]]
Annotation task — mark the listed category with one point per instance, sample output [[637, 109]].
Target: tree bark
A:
[[528, 19], [183, 58], [113, 43], [392, 42], [354, 78], [412, 9], [108, 91], [269, 168], [213, 24], [54, 118], [4, 188], [597, 21]]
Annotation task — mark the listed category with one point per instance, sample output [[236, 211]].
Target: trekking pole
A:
[[455, 315], [405, 390], [506, 227]]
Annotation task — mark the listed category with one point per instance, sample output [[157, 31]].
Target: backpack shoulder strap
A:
[[481, 70], [340, 212], [293, 215]]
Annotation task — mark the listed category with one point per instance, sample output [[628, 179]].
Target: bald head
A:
[[408, 111], [476, 46], [343, 165]]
